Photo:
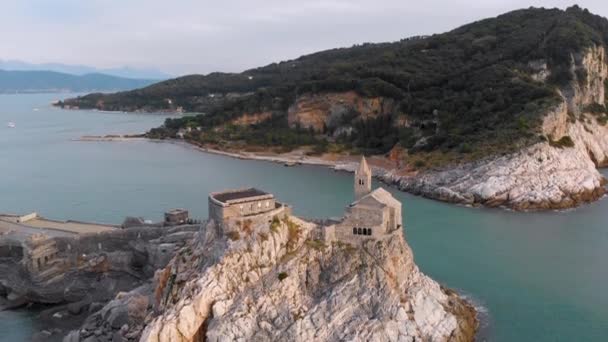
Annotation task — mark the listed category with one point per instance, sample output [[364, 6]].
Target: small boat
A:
[[11, 125]]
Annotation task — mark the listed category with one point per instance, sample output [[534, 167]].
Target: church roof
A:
[[378, 198], [363, 167]]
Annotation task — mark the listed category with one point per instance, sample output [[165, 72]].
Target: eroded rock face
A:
[[317, 111], [248, 119], [277, 284]]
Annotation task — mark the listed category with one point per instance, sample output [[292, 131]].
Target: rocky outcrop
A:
[[548, 175], [85, 272], [275, 283], [331, 110]]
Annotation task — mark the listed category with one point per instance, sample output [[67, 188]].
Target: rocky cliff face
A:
[[318, 111], [274, 282], [248, 119], [551, 174]]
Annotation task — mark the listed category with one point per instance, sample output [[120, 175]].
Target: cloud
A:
[[188, 36]]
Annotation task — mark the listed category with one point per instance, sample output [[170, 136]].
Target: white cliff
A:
[[277, 283]]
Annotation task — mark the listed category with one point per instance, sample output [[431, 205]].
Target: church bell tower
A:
[[363, 179]]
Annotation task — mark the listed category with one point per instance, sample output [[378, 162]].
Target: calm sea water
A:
[[539, 276]]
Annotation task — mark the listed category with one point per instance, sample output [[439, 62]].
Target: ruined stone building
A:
[[176, 217], [40, 251]]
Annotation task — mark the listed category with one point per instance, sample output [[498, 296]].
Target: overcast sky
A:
[[200, 36]]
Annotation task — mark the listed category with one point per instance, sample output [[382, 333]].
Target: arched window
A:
[[354, 231], [359, 231], [369, 231]]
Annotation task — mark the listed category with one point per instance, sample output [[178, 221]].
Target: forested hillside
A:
[[479, 89]]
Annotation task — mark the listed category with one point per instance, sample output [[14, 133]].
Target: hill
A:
[[76, 69], [50, 81], [480, 89]]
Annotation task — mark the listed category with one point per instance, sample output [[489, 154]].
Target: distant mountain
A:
[[126, 72], [50, 81]]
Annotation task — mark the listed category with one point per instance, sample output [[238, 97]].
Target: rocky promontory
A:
[[560, 172], [275, 281]]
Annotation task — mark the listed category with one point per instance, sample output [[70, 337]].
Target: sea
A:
[[538, 276]]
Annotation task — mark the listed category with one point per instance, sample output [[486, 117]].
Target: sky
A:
[[199, 36]]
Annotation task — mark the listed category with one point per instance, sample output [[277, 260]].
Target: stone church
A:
[[374, 214]]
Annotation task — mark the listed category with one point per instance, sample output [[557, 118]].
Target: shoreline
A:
[[427, 184]]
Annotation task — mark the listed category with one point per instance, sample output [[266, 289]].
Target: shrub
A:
[[294, 232], [564, 141], [316, 244], [419, 164], [233, 235], [275, 224], [465, 148], [595, 108]]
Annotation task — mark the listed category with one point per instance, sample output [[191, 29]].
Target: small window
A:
[[259, 204], [267, 204], [359, 231], [354, 231], [369, 231]]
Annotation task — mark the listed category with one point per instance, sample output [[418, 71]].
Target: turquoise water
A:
[[539, 276]]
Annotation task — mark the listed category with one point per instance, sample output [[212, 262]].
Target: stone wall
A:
[[220, 212], [280, 211], [27, 217]]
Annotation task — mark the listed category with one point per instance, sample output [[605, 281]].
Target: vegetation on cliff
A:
[[472, 91]]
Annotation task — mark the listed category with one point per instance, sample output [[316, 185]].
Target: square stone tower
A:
[[363, 179]]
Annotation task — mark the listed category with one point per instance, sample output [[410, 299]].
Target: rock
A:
[[73, 336], [117, 337], [94, 307], [77, 308], [118, 318], [329, 295], [41, 336], [92, 339]]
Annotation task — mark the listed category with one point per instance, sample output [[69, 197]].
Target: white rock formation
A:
[[275, 284]]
